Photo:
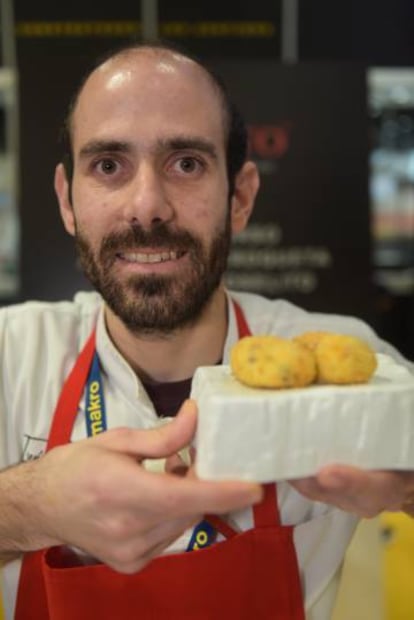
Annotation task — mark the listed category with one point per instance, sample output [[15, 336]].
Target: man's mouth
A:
[[150, 257]]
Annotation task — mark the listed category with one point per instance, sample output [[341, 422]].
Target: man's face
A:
[[150, 191]]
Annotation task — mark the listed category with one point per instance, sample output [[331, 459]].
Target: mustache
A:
[[136, 236]]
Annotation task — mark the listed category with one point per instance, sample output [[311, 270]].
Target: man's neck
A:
[[175, 356]]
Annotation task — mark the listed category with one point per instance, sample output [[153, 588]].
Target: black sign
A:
[[309, 240]]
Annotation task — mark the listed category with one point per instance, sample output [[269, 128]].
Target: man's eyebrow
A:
[[178, 143], [97, 147], [182, 143]]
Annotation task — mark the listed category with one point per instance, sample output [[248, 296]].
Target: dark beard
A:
[[149, 304]]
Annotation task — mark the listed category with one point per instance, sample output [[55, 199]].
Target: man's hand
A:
[[362, 492], [95, 495]]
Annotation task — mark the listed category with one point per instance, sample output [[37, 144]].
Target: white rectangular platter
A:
[[267, 435]]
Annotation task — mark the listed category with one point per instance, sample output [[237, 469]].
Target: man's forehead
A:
[[134, 75], [164, 60], [149, 67]]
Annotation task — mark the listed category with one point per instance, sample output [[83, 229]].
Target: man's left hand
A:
[[362, 492]]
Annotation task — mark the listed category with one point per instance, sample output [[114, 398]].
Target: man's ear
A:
[[246, 185], [62, 193]]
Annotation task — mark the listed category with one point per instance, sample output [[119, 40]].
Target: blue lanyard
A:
[[95, 416]]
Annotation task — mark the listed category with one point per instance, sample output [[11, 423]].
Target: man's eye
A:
[[107, 166], [188, 164]]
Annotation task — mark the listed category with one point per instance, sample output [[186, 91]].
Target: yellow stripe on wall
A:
[[122, 28]]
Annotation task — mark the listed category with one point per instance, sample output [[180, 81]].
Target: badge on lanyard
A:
[[203, 535]]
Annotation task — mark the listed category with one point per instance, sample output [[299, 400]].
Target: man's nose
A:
[[147, 202]]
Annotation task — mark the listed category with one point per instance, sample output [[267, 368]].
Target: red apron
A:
[[252, 575]]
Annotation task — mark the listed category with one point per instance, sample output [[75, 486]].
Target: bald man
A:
[[153, 184]]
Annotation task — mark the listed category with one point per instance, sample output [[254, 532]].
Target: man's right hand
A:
[[95, 495]]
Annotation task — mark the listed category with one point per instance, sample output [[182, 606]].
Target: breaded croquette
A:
[[272, 362], [344, 359], [311, 339]]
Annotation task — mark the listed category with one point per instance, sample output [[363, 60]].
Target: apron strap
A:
[[242, 325], [73, 387], [266, 514]]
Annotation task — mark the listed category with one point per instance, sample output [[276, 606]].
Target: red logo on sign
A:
[[269, 141]]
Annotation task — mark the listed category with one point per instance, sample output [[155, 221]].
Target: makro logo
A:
[[269, 141]]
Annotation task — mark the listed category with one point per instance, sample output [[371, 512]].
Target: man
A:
[[155, 184]]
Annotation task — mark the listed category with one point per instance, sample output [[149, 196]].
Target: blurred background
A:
[[327, 89]]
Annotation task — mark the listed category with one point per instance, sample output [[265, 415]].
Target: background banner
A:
[[309, 240]]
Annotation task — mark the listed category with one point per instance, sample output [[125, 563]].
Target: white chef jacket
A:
[[39, 343]]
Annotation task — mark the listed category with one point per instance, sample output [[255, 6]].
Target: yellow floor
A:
[[378, 576]]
